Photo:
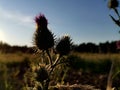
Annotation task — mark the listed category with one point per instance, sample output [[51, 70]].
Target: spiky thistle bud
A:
[[64, 45], [42, 74], [112, 4], [43, 38]]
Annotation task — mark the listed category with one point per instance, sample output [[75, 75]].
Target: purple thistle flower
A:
[[41, 21], [43, 38]]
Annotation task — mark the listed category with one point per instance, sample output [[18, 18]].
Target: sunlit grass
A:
[[97, 56], [10, 57], [16, 57], [10, 65]]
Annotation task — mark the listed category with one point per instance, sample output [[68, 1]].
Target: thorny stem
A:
[[42, 57], [57, 59], [49, 57], [60, 63], [116, 11], [52, 66]]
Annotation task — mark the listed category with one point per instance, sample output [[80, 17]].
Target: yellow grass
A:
[[86, 56], [18, 57], [96, 56]]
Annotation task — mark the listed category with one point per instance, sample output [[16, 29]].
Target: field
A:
[[81, 69]]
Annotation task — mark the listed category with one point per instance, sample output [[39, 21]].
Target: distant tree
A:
[[92, 48], [4, 47], [81, 48], [104, 47], [113, 47]]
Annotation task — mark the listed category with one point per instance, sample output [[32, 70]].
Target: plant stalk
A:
[[49, 57], [110, 79]]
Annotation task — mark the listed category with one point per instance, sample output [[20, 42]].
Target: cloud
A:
[[16, 16]]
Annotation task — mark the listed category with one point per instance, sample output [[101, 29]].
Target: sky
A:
[[84, 20]]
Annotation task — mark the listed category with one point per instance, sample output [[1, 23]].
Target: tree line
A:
[[6, 48], [106, 47]]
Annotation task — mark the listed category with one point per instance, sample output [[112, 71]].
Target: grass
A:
[[96, 56], [80, 66]]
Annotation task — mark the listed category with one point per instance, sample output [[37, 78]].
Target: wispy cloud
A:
[[16, 16]]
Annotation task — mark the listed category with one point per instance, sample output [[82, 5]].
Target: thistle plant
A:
[[44, 39], [113, 4], [65, 41], [45, 43]]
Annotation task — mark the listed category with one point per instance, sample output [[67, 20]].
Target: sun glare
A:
[[2, 35]]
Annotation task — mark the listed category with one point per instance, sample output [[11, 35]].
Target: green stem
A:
[[61, 63], [116, 11], [55, 64], [51, 70], [115, 74], [57, 59], [49, 57], [52, 66], [110, 79]]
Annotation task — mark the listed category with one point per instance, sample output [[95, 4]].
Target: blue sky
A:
[[83, 20]]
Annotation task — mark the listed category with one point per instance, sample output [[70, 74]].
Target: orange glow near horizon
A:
[[2, 35]]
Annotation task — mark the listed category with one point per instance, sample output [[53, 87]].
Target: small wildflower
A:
[[64, 45], [112, 4], [43, 38]]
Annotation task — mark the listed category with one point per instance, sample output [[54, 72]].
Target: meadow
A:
[[80, 68]]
